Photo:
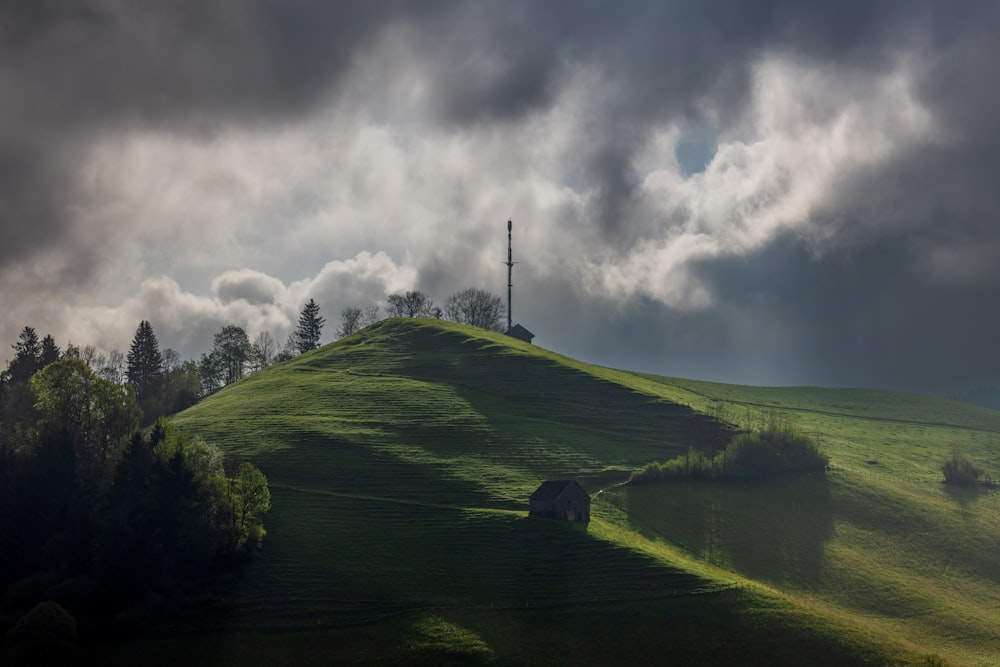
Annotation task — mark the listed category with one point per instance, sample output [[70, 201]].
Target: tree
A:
[[289, 350], [27, 356], [476, 307], [350, 322], [88, 354], [369, 315], [410, 304], [50, 352], [171, 359], [960, 470], [95, 415], [310, 327], [232, 349], [181, 387], [210, 373], [144, 365], [252, 499], [112, 367], [262, 350]]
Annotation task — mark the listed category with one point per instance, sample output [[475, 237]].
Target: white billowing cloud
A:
[[365, 279], [254, 287], [335, 184], [250, 299], [808, 127]]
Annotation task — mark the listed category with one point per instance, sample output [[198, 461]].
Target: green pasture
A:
[[401, 459]]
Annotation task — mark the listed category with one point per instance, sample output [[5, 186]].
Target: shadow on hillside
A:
[[965, 496], [774, 530]]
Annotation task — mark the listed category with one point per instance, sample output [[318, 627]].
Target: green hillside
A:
[[400, 462]]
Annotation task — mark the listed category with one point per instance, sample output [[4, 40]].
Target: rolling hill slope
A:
[[400, 462]]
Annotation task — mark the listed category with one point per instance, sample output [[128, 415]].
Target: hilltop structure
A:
[[560, 499], [520, 333], [513, 330]]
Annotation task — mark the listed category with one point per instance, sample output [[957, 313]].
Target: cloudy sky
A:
[[772, 192]]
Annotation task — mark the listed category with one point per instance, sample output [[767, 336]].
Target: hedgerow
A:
[[773, 448]]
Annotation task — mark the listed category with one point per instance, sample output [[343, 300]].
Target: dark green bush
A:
[[771, 452], [775, 448], [960, 470]]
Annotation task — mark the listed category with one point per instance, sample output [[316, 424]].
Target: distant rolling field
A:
[[400, 462]]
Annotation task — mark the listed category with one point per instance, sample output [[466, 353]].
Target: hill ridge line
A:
[[848, 415]]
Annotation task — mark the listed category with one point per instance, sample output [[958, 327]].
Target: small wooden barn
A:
[[561, 499], [520, 333]]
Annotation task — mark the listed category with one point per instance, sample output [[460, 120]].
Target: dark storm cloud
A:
[[783, 316], [862, 317], [896, 290], [666, 61], [73, 71]]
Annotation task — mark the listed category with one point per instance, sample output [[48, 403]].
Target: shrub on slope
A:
[[773, 449]]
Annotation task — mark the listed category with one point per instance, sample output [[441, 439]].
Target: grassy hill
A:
[[400, 462]]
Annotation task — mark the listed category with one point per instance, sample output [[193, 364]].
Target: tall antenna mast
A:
[[510, 272]]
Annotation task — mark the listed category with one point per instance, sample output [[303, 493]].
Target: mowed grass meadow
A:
[[400, 461]]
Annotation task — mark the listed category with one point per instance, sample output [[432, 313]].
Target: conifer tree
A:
[[27, 356], [50, 351], [310, 327], [145, 363]]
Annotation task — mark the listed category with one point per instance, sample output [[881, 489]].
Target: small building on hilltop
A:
[[562, 499], [520, 333]]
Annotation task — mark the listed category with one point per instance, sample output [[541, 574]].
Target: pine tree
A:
[[27, 356], [145, 364], [50, 351], [310, 326]]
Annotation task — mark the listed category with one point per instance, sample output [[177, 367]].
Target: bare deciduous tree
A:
[[112, 367], [171, 360], [350, 322], [289, 351], [90, 356], [411, 304], [369, 315], [262, 350], [476, 307]]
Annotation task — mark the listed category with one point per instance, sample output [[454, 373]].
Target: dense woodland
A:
[[103, 504], [103, 516]]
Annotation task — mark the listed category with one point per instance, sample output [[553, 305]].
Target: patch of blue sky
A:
[[695, 149]]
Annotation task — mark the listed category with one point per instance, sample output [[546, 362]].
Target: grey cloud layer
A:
[[880, 270]]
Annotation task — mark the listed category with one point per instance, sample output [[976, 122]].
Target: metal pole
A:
[[510, 271]]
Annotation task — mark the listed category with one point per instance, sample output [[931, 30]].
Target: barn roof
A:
[[550, 490], [519, 332]]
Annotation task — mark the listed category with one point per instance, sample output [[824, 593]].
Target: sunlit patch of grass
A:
[[440, 642]]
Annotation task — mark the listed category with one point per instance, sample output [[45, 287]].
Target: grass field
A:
[[400, 462]]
